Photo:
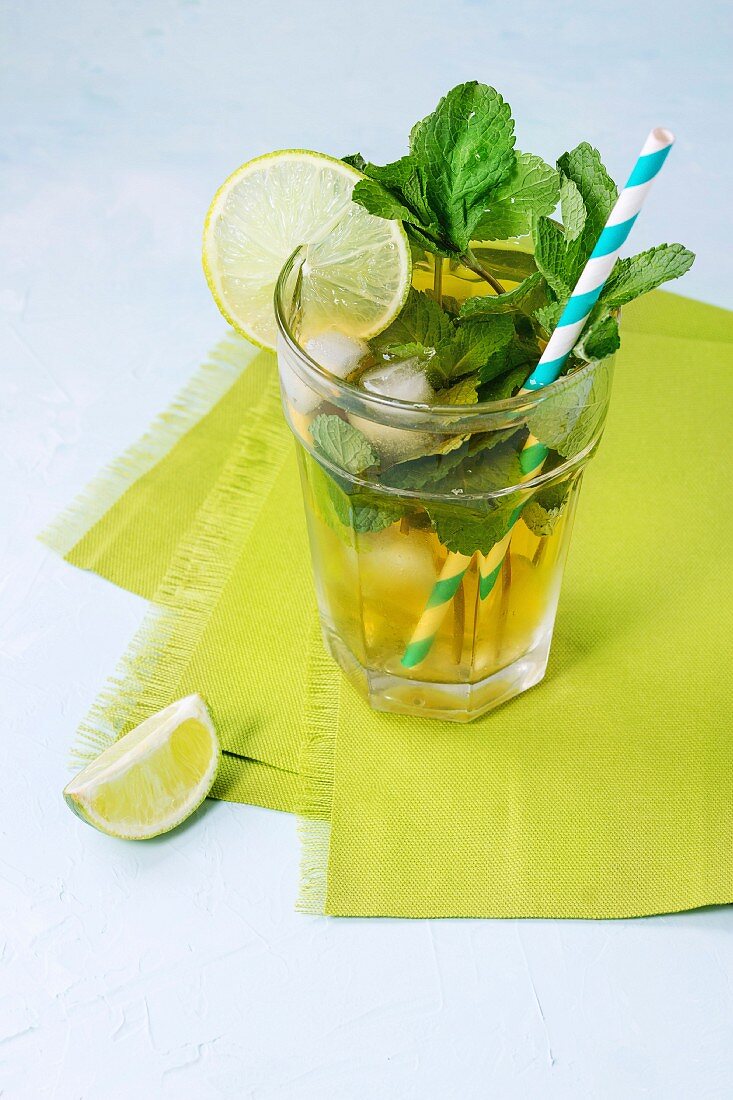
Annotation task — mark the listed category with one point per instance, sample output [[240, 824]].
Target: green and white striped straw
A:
[[572, 320]]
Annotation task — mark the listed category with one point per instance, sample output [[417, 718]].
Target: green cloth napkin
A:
[[604, 792], [170, 520]]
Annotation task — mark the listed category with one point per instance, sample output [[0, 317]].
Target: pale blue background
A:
[[179, 969]]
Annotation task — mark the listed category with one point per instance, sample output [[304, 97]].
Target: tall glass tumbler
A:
[[445, 478]]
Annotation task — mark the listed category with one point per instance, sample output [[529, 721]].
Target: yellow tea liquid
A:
[[373, 587]]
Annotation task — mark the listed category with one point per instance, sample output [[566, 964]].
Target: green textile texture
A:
[[194, 533], [239, 780], [606, 791]]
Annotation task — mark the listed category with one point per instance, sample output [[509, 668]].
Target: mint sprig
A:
[[587, 195], [338, 500], [461, 180], [464, 392], [465, 150]]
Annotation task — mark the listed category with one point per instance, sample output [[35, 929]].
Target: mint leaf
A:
[[532, 188], [572, 208], [407, 178], [419, 473], [520, 296], [544, 509], [366, 516], [551, 256], [584, 168], [429, 471], [561, 255], [501, 222], [572, 413], [644, 272], [491, 462], [342, 444], [549, 315], [329, 500], [420, 322], [465, 531], [344, 513], [450, 304], [482, 520], [378, 200], [465, 149], [518, 353], [398, 190], [395, 191], [464, 392], [601, 338], [424, 329], [507, 384], [468, 348], [355, 160]]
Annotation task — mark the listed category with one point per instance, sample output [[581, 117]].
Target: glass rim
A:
[[519, 403]]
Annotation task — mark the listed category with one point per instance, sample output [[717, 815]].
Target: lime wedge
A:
[[357, 272], [152, 778]]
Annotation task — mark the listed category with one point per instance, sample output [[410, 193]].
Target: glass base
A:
[[454, 702]]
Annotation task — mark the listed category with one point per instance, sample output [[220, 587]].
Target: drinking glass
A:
[[446, 478]]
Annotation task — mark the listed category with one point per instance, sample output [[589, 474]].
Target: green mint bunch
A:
[[462, 180], [461, 190], [587, 196]]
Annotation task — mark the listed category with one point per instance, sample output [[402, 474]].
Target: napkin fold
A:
[[606, 791]]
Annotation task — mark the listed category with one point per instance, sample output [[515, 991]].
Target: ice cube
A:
[[397, 568], [404, 380], [337, 353]]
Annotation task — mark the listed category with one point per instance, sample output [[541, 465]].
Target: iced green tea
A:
[[375, 535]]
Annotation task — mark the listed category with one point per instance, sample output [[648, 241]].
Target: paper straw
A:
[[572, 320]]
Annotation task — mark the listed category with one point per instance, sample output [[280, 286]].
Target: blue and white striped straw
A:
[[569, 327], [602, 258], [577, 310]]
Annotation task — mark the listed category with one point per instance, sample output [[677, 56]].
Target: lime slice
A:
[[152, 778], [357, 272]]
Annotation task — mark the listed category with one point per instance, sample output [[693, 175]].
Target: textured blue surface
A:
[[178, 969]]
